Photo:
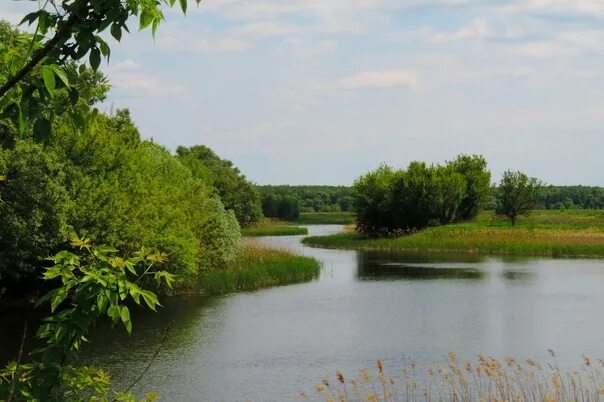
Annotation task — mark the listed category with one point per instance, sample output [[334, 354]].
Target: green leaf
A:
[[42, 129], [125, 314], [116, 32], [183, 6], [145, 19], [60, 74], [95, 58], [114, 312], [58, 298], [48, 76]]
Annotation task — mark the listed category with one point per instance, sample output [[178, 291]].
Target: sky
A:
[[322, 91]]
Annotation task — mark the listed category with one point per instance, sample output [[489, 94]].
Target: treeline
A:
[[571, 197], [307, 198], [388, 201]]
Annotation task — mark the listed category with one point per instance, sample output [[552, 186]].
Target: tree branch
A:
[[39, 56]]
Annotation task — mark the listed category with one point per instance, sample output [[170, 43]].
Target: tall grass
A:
[[486, 379], [258, 267], [270, 227]]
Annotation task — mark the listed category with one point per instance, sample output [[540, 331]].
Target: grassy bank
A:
[[326, 218], [273, 228], [260, 267], [544, 233]]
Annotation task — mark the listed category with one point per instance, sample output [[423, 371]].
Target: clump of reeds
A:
[[485, 379], [271, 227], [260, 267]]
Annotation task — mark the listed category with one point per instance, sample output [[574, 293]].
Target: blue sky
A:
[[321, 91]]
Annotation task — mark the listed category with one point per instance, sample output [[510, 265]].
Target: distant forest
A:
[[338, 199]]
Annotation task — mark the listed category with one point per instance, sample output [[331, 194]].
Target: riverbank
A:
[[260, 267], [544, 233]]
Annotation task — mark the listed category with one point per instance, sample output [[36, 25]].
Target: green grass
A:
[[544, 233], [260, 267], [273, 228], [325, 218]]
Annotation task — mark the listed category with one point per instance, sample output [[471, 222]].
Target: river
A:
[[269, 344]]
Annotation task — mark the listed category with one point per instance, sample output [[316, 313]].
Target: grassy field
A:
[[325, 218], [260, 267], [576, 233], [273, 228]]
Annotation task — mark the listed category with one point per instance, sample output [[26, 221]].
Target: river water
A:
[[269, 344]]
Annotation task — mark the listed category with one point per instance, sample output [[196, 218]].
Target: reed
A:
[[484, 379], [259, 267], [270, 227]]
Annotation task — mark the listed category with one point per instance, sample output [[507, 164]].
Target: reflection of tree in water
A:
[[384, 265], [517, 276]]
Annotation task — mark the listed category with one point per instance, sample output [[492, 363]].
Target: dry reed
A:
[[484, 380]]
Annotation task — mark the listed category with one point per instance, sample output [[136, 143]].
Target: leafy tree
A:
[[235, 191], [517, 195], [34, 211], [372, 199], [478, 184]]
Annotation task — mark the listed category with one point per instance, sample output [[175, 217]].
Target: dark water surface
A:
[[269, 344]]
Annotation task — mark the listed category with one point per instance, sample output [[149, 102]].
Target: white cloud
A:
[[180, 43], [128, 75], [267, 28], [379, 79]]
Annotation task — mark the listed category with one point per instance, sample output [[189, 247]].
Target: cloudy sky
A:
[[321, 91]]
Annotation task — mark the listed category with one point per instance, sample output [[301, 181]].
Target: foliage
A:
[[284, 207], [313, 198], [98, 283], [517, 194], [259, 267], [34, 210], [478, 183], [33, 68], [389, 202], [571, 197], [235, 191], [132, 193]]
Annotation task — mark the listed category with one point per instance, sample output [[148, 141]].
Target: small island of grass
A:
[[576, 233], [259, 267], [273, 228]]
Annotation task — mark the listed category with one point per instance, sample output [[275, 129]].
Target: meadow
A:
[[572, 233], [260, 267]]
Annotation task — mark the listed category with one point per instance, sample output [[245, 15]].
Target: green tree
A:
[[235, 191], [478, 184], [517, 195], [371, 195], [34, 211]]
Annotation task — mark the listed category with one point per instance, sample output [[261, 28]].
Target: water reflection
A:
[[518, 276], [376, 266]]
